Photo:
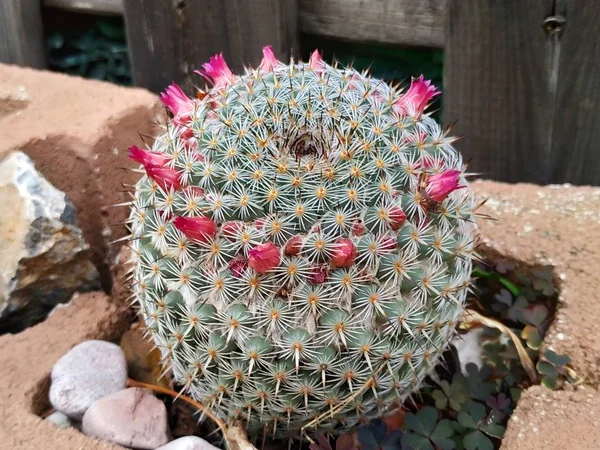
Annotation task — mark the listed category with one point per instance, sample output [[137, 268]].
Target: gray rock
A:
[[59, 419], [131, 417], [43, 255], [88, 372], [188, 443]]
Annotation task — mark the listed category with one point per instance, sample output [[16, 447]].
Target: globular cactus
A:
[[303, 239]]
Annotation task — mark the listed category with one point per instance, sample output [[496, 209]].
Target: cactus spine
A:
[[302, 235]]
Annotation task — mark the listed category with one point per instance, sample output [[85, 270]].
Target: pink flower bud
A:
[[440, 185], [259, 224], [217, 72], [195, 191], [388, 243], [145, 157], [358, 229], [229, 230], [418, 96], [315, 62], [237, 266], [269, 61], [318, 275], [199, 229], [176, 100], [293, 246], [264, 257], [344, 253], [397, 218], [165, 177]]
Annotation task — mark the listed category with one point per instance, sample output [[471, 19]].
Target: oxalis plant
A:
[[303, 238]]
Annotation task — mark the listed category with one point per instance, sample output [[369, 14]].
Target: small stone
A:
[[88, 372], [44, 258], [59, 419], [188, 443], [132, 417]]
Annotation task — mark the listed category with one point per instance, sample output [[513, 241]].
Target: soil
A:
[[77, 132]]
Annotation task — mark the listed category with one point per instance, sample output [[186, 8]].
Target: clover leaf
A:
[[424, 432]]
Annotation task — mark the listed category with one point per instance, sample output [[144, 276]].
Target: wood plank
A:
[[21, 33], [402, 22], [498, 85], [169, 40], [576, 122], [114, 7]]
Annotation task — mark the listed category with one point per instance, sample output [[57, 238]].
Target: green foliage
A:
[[555, 370], [425, 432], [98, 52], [451, 395]]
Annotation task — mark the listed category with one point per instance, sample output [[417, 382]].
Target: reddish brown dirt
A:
[[77, 132], [25, 363], [63, 122], [560, 227]]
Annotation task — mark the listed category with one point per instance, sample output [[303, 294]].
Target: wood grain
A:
[[576, 121], [88, 6], [169, 40], [496, 84], [21, 33], [402, 22], [526, 95]]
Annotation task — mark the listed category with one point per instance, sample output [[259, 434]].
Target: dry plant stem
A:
[[339, 407], [235, 438], [470, 317]]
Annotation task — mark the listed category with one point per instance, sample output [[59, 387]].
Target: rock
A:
[[188, 443], [132, 417], [43, 256], [59, 419], [90, 371]]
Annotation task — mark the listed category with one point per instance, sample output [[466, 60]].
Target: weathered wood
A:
[[169, 40], [526, 96], [576, 121], [403, 22], [88, 6], [21, 33]]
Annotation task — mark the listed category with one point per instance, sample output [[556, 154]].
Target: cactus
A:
[[302, 242]]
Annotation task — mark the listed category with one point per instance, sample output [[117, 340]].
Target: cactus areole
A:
[[303, 242]]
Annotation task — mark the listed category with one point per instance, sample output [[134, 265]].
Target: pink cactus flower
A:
[[269, 61], [418, 96], [318, 275], [315, 62], [293, 246], [147, 157], [165, 177], [198, 229], [237, 266], [397, 218], [217, 72], [344, 253], [264, 257], [176, 100], [440, 185], [229, 230]]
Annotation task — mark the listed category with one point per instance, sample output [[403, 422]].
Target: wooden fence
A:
[[522, 77]]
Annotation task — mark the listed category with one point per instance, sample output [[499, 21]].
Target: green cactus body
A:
[[302, 236]]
